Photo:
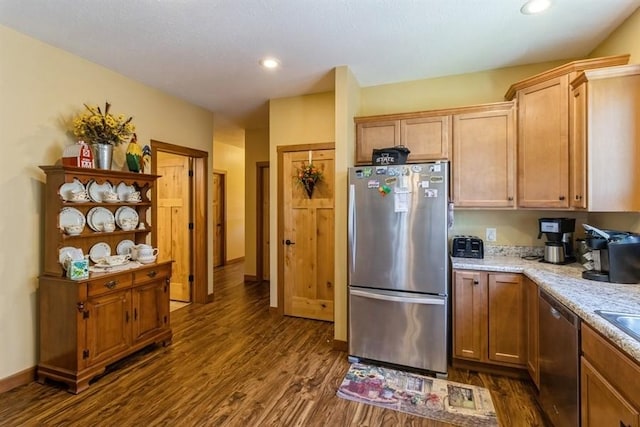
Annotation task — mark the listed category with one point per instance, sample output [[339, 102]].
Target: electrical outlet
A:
[[492, 235]]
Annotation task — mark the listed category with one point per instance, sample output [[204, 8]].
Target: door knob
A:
[[289, 242]]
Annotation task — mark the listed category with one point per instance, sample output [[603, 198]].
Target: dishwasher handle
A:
[[558, 310]]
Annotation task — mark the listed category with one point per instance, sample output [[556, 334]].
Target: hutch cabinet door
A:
[[149, 312], [108, 326]]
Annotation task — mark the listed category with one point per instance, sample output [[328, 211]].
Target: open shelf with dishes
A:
[[123, 304]]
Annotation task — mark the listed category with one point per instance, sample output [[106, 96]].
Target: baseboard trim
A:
[[234, 261], [18, 379], [209, 298], [340, 345], [250, 278], [274, 310]]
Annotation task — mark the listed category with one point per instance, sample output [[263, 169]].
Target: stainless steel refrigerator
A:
[[399, 265]]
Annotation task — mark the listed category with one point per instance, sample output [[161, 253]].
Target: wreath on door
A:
[[307, 176]]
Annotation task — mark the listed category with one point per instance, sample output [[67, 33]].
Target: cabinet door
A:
[[543, 145], [370, 135], [108, 326], [507, 321], [150, 309], [428, 138], [470, 315], [601, 404], [533, 330], [578, 145], [484, 159]]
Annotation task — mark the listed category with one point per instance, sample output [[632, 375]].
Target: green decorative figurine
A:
[[134, 155]]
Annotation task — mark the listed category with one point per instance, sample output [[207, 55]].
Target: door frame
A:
[[281, 150], [198, 201], [259, 215], [223, 174]]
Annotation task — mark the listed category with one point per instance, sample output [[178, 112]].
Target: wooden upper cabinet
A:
[[375, 134], [544, 115], [428, 138], [426, 134], [604, 139], [543, 144], [484, 156]]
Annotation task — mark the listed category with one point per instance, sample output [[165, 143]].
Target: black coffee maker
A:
[[614, 256], [558, 249]]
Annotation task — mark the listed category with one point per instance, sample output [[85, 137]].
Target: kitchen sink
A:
[[627, 322]]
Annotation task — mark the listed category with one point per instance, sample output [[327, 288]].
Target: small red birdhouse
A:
[[78, 155]]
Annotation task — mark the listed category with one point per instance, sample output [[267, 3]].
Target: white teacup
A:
[[110, 196], [108, 226], [73, 229], [133, 196], [128, 224], [116, 259], [79, 196]]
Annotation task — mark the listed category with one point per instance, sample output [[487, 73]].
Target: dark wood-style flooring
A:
[[233, 363]]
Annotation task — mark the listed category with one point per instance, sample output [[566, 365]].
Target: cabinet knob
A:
[[475, 281], [111, 284], [561, 198], [510, 198], [152, 273]]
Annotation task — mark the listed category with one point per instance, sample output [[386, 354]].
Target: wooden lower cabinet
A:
[[86, 325], [609, 392], [489, 318]]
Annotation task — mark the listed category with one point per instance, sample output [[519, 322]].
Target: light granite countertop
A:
[[565, 283]]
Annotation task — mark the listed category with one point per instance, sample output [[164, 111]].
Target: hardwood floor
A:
[[233, 363]]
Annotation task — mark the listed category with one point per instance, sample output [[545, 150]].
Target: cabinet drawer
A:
[[153, 273], [108, 284], [612, 364]]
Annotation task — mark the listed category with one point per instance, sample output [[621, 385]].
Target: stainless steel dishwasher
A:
[[559, 362]]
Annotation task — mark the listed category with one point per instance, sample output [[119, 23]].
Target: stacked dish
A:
[[96, 191], [98, 216]]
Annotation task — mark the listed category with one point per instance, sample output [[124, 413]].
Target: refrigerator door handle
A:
[[413, 300], [352, 227]]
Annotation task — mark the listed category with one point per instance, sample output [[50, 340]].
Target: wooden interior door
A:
[[173, 220], [308, 241], [218, 219]]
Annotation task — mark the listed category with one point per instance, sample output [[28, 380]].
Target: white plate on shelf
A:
[[69, 252], [99, 251], [124, 247], [124, 190], [67, 189], [126, 212], [98, 216], [96, 190], [71, 216]]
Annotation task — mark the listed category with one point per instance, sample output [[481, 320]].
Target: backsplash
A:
[[517, 251]]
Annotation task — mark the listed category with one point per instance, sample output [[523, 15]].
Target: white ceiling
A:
[[207, 51]]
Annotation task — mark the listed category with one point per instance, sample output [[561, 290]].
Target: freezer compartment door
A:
[[398, 327]]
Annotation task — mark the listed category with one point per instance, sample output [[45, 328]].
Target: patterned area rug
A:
[[454, 403]]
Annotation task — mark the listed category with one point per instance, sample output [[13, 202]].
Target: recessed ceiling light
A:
[[270, 63], [532, 7]]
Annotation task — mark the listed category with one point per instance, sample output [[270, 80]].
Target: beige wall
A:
[[308, 119], [230, 160], [446, 92], [256, 150], [625, 39], [347, 102], [42, 87]]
